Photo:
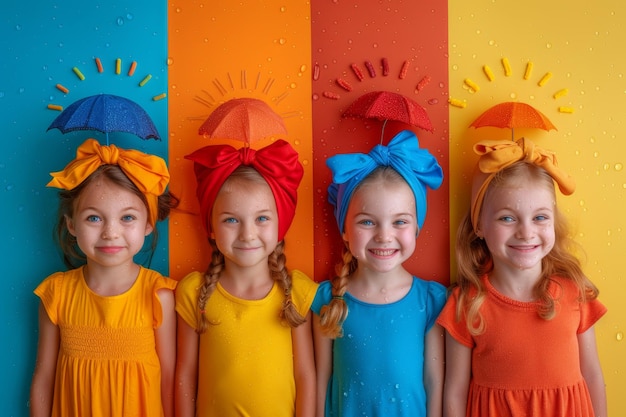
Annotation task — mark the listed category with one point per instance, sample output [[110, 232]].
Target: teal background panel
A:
[[41, 42]]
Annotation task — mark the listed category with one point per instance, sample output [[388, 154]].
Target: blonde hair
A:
[[333, 314], [276, 262], [474, 259]]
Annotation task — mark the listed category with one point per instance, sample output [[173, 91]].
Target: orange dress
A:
[[107, 363], [523, 365]]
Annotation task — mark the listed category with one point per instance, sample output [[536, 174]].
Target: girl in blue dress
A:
[[378, 349]]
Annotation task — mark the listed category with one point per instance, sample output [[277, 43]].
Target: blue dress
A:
[[378, 364]]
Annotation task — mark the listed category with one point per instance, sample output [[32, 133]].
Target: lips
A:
[[110, 249]]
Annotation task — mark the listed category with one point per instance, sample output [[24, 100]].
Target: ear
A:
[[149, 229], [69, 223]]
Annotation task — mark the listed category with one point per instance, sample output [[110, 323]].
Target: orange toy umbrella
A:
[[385, 105], [244, 119], [513, 115]]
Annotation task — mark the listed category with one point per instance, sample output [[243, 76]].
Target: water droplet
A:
[[282, 41], [18, 27], [302, 68], [170, 61], [120, 21], [283, 9], [129, 16], [619, 336], [315, 96], [293, 85], [619, 166]]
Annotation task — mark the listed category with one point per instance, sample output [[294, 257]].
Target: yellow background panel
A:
[[582, 45]]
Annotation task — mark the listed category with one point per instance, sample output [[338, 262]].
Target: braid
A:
[[334, 313], [281, 275], [210, 282]]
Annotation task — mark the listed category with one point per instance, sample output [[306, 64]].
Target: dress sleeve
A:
[[48, 291], [303, 291], [436, 301], [456, 328], [590, 313], [322, 297], [187, 298], [159, 282]]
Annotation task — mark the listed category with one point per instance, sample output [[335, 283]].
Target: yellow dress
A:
[[245, 358], [107, 363]]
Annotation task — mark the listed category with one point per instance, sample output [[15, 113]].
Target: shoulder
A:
[[157, 280], [302, 281], [322, 296], [189, 285], [431, 289], [303, 290], [58, 279]]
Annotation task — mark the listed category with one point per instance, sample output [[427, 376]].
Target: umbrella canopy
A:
[[513, 115], [106, 113], [244, 119], [385, 105]]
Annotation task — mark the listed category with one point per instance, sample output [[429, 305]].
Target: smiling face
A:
[[381, 225], [109, 222], [244, 222], [517, 223]]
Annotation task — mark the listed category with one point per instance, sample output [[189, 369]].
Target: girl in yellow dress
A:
[[106, 328], [244, 334]]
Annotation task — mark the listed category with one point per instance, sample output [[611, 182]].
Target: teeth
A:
[[383, 252]]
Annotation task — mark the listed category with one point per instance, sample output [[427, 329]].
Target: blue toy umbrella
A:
[[106, 113]]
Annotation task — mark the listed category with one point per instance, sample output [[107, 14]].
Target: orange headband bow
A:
[[496, 155], [148, 172]]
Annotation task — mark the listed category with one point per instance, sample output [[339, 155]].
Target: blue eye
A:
[[400, 222], [541, 218], [507, 219], [128, 218], [366, 222], [262, 219], [230, 220], [93, 218]]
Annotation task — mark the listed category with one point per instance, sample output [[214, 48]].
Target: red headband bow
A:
[[277, 163]]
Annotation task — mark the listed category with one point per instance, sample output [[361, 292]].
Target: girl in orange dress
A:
[[520, 338], [107, 328]]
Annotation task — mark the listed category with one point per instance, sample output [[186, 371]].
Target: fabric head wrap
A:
[[496, 155], [277, 163], [418, 167], [148, 172]]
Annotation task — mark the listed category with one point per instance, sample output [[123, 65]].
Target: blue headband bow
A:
[[418, 167]]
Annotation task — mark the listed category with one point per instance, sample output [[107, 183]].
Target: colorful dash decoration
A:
[[422, 83], [133, 67], [561, 93], [145, 80], [159, 97], [55, 107], [543, 81], [404, 69], [331, 95], [507, 67], [457, 103], [529, 70], [357, 71], [488, 73], [62, 88], [99, 65], [472, 85], [118, 66], [344, 84], [78, 73], [564, 109], [385, 64]]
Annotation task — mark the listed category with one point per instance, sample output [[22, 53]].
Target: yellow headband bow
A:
[[495, 155], [148, 172]]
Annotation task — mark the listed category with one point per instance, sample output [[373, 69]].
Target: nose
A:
[[109, 231], [524, 230], [246, 232], [383, 234]]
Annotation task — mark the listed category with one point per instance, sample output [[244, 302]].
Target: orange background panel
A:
[[250, 49]]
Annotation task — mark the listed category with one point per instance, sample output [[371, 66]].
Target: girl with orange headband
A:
[[520, 338], [107, 326], [244, 334]]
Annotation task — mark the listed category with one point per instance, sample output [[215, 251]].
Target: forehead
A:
[[246, 194], [533, 194], [381, 193]]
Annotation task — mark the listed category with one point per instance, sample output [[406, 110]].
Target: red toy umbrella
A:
[[513, 115], [385, 105], [244, 119]]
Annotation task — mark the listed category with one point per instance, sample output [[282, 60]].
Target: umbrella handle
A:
[[382, 133]]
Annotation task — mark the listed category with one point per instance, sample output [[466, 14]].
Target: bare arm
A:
[[323, 364], [42, 387], [165, 337], [458, 371], [186, 387], [592, 371], [304, 368], [434, 360]]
